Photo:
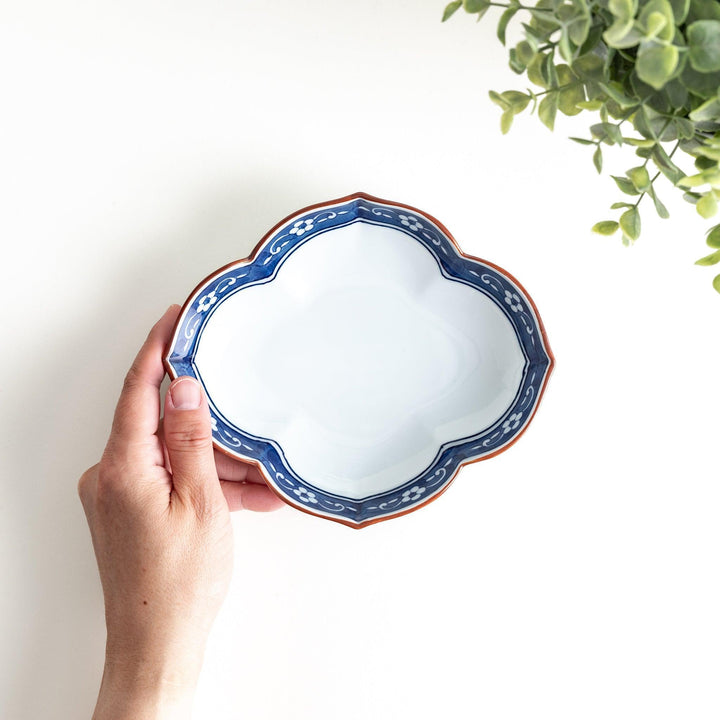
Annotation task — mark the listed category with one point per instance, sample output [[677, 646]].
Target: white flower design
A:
[[414, 493], [301, 227], [411, 222], [207, 301], [213, 423], [513, 300], [305, 495], [512, 423]]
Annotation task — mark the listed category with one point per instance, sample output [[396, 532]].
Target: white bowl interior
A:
[[360, 359]]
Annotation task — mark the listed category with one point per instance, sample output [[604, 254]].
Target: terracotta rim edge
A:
[[251, 257]]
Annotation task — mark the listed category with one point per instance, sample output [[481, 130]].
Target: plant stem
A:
[[507, 6], [558, 88], [658, 173]]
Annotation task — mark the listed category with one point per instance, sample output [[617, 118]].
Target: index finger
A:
[[138, 409]]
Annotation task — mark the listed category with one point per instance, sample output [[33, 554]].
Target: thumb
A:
[[188, 438]]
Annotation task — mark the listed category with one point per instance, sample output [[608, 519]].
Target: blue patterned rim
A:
[[488, 279]]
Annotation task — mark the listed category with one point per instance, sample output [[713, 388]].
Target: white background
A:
[[143, 145]]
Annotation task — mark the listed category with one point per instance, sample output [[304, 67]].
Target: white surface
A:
[[360, 360], [144, 144]]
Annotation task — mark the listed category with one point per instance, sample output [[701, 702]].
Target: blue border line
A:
[[292, 235]]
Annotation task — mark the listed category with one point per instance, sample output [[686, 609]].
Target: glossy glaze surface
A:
[[360, 359]]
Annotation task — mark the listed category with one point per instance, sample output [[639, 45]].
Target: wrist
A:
[[144, 687]]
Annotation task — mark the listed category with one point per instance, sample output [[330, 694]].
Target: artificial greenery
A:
[[648, 66]]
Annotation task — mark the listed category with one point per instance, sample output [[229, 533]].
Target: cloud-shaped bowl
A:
[[359, 358]]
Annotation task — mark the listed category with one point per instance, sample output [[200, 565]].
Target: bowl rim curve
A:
[[249, 259]]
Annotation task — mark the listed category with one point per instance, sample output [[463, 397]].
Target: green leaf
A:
[[534, 72], [703, 38], [703, 85], [647, 94], [711, 259], [598, 159], [685, 128], [614, 91], [709, 111], [605, 227], [707, 205], [506, 120], [544, 23], [680, 10], [476, 6], [639, 177], [591, 105], [618, 205], [565, 75], [716, 283], [640, 142], [642, 124], [676, 93], [533, 35], [623, 9], [525, 52], [711, 176], [654, 25], [566, 51], [656, 64], [607, 132], [499, 100], [622, 34], [579, 29], [708, 152], [514, 62], [704, 163], [658, 20], [505, 18], [691, 197], [569, 98], [549, 72], [703, 10], [589, 67], [653, 125], [451, 9], [516, 100], [660, 209], [625, 185], [713, 237], [666, 166], [630, 223], [582, 141], [693, 181], [547, 110], [593, 40]]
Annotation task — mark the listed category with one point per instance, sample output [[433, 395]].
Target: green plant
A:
[[648, 66]]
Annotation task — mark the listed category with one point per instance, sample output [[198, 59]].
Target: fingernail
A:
[[186, 394]]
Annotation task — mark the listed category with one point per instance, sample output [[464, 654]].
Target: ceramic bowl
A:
[[359, 358]]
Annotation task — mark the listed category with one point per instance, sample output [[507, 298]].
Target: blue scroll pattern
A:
[[455, 267]]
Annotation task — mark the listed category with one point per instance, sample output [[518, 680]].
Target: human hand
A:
[[158, 509]]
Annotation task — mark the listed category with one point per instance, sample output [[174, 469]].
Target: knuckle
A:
[[202, 508], [190, 436], [85, 482], [108, 482], [132, 379], [106, 468], [207, 511]]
